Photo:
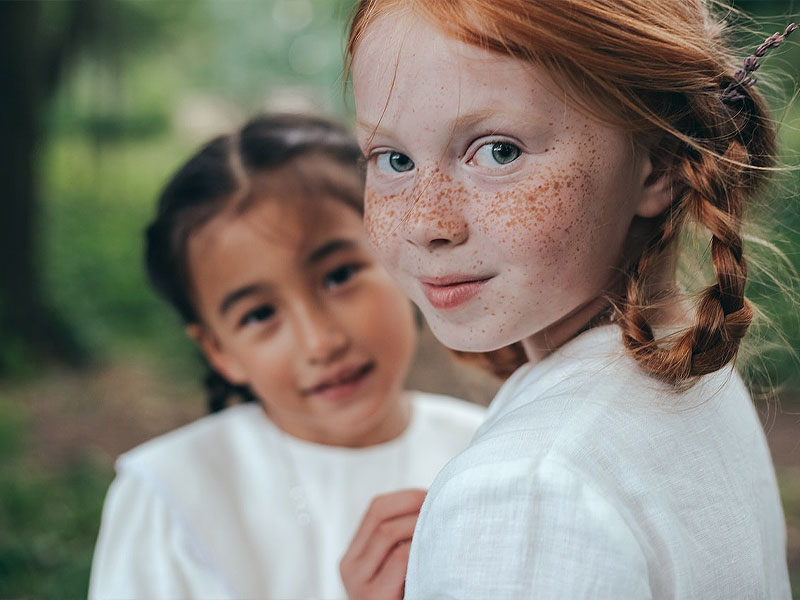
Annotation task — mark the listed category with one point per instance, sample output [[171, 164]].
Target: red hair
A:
[[658, 71]]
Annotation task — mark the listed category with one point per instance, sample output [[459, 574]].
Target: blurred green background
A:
[[100, 100]]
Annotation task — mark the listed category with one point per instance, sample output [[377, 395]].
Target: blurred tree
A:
[[37, 41]]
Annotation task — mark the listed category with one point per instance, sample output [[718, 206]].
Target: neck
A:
[[393, 424], [668, 308], [541, 344]]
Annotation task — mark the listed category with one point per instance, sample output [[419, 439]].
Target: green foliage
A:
[[17, 358], [48, 521], [114, 138], [100, 198]]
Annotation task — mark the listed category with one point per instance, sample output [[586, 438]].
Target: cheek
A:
[[382, 213], [386, 321], [270, 375], [540, 218], [275, 358]]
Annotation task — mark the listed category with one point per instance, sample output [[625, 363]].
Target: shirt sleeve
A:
[[518, 529], [144, 551]]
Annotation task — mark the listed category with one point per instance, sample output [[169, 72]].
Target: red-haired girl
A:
[[532, 164]]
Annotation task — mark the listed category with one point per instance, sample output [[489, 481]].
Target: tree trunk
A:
[[21, 313], [28, 329]]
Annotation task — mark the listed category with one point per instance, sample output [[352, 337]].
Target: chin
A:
[[469, 338]]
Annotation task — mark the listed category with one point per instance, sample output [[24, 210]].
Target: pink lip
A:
[[452, 291], [340, 384]]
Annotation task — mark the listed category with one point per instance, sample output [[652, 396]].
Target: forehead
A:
[[404, 64], [272, 229]]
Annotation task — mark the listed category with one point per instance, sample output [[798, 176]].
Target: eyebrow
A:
[[462, 121], [329, 248], [238, 294]]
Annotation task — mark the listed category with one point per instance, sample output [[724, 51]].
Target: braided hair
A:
[[220, 173], [660, 71]]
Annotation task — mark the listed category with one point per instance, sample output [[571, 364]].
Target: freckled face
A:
[[500, 209], [295, 305]]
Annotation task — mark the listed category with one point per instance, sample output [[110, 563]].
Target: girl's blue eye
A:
[[340, 276], [394, 162], [504, 153], [497, 153], [258, 315]]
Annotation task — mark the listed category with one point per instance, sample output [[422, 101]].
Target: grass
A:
[[48, 518]]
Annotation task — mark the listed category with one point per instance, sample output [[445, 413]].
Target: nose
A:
[[323, 340], [436, 218]]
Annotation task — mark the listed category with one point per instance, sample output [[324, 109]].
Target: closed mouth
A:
[[342, 378], [453, 280], [451, 292]]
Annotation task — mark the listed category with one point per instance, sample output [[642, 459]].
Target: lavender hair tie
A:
[[743, 78]]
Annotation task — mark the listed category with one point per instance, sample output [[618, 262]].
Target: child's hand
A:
[[374, 565]]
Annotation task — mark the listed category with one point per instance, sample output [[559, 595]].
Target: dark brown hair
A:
[[306, 155]]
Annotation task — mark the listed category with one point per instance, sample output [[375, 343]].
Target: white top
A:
[[589, 479], [231, 507]]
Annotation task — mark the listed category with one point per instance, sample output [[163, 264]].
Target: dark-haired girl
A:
[[258, 243]]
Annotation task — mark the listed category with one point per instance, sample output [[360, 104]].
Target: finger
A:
[[353, 567], [383, 507], [365, 565], [391, 579], [380, 545], [386, 506]]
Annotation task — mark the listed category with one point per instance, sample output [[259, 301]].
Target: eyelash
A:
[[378, 157], [490, 144], [349, 270], [257, 315]]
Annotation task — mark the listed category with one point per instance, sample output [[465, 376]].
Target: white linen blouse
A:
[[590, 479], [231, 507]]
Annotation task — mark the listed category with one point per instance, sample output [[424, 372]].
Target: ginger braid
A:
[[713, 182]]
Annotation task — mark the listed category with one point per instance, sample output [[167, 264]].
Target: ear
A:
[[221, 360], [657, 187]]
